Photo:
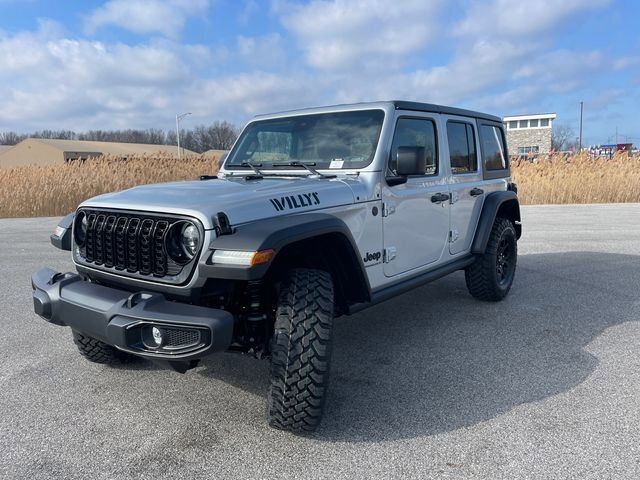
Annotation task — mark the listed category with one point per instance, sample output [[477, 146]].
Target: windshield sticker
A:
[[336, 163], [292, 202]]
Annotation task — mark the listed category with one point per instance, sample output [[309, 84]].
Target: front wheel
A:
[[491, 275], [301, 350], [97, 351]]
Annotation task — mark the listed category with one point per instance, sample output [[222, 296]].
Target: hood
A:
[[240, 199]]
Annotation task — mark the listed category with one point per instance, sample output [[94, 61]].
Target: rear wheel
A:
[[301, 350], [97, 351], [491, 275]]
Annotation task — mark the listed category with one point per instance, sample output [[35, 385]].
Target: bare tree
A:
[[222, 135], [562, 138], [10, 138], [217, 136]]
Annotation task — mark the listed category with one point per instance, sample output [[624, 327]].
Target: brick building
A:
[[529, 134]]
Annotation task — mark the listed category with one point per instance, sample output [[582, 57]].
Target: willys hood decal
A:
[[242, 200]]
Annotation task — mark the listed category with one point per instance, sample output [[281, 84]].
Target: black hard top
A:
[[430, 107]]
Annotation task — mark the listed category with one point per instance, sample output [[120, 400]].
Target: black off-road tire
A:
[[99, 352], [490, 277], [301, 350]]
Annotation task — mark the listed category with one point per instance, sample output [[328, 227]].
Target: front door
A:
[[415, 213], [466, 186]]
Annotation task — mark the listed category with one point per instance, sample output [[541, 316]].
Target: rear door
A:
[[415, 222], [465, 181]]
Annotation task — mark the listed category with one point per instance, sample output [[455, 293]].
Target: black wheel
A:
[[491, 275], [301, 350], [99, 352]]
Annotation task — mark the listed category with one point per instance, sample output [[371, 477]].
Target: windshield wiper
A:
[[253, 167], [307, 166]]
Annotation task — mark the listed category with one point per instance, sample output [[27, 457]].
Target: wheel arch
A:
[[497, 204], [313, 240]]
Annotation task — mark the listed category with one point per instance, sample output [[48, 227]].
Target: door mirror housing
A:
[[411, 161]]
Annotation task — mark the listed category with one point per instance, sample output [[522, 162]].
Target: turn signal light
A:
[[247, 259]]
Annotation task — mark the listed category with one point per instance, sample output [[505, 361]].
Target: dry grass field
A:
[[36, 191], [561, 179], [57, 190]]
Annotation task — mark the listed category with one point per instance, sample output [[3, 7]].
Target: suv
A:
[[314, 214]]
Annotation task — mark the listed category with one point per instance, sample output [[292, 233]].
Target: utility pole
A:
[[178, 118], [580, 142]]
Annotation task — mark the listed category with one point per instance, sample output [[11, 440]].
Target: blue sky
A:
[[136, 63]]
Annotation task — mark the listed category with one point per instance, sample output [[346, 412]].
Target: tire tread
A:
[[480, 275], [301, 351]]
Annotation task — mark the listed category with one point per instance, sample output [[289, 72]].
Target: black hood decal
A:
[[291, 202]]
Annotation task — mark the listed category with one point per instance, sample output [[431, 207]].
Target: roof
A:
[[394, 104], [115, 148], [533, 116], [430, 107]]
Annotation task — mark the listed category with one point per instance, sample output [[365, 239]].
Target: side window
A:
[[493, 150], [462, 148], [415, 132]]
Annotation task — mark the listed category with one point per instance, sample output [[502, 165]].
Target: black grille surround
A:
[[132, 244]]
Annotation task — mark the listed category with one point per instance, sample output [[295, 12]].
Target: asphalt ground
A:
[[431, 384]]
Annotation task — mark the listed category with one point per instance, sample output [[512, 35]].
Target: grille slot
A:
[[180, 337], [131, 243]]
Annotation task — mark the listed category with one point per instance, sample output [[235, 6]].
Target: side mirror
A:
[[411, 161]]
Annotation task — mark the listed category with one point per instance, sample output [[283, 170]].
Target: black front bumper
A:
[[124, 320]]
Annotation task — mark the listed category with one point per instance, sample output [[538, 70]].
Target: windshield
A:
[[344, 140]]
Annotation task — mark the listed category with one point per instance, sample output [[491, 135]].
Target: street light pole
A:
[[178, 118], [580, 144]]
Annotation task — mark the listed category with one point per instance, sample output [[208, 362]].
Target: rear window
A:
[[493, 148], [462, 148]]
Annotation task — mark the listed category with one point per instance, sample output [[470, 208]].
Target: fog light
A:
[[158, 338]]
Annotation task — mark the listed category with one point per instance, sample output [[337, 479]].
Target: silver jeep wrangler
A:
[[314, 214]]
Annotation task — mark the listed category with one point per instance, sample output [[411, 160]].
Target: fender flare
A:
[[493, 203], [277, 233], [63, 241]]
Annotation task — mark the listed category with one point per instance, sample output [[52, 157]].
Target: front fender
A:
[[274, 233], [61, 237]]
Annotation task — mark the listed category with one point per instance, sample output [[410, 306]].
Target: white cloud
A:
[[248, 94], [56, 82], [513, 19], [166, 17], [349, 35], [627, 62], [266, 51]]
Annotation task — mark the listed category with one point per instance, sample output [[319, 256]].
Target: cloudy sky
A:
[[136, 63]]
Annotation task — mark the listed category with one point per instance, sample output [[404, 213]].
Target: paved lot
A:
[[431, 384]]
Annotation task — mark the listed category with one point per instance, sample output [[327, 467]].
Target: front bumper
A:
[[124, 320]]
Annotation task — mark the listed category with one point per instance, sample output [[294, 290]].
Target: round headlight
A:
[[80, 229], [183, 242], [190, 239]]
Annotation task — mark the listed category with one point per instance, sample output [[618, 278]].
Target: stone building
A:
[[529, 134]]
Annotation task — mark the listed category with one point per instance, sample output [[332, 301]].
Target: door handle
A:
[[476, 191], [439, 197]]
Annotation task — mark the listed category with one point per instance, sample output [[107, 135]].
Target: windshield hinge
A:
[[388, 209]]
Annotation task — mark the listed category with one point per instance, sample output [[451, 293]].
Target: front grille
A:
[[130, 244]]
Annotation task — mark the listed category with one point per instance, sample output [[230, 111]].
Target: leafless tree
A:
[[562, 138], [220, 135]]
